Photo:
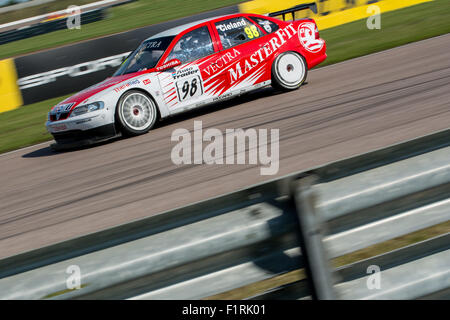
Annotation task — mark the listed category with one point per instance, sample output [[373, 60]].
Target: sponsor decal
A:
[[224, 96], [307, 37], [231, 25], [71, 71], [188, 83], [266, 25], [146, 81], [168, 65], [259, 85], [184, 72], [126, 85], [221, 62], [153, 44], [279, 39]]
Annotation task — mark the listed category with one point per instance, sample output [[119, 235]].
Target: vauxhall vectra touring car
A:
[[188, 67]]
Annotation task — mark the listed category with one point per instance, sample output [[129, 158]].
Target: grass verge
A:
[[25, 126], [398, 28]]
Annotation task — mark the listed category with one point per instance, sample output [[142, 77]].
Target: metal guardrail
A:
[[300, 221], [380, 204]]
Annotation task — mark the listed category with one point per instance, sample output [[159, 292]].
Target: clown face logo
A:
[[306, 35]]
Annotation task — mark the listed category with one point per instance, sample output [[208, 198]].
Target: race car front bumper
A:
[[94, 134], [82, 130]]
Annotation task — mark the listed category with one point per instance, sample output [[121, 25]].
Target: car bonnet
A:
[[82, 96]]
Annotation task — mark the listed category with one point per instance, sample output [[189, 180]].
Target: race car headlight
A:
[[94, 106]]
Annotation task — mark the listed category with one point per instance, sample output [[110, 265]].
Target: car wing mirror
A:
[[169, 65]]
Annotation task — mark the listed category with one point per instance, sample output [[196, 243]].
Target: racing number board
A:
[[188, 83]]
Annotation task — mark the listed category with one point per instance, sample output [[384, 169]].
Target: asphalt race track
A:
[[345, 109]]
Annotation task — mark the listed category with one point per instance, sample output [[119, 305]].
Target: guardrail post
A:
[[313, 251]]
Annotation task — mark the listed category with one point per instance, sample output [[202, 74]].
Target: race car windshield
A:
[[145, 57]]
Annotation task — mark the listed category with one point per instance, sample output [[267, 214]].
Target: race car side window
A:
[[235, 31], [193, 45], [267, 25]]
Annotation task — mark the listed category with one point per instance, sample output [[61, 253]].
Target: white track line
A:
[[25, 148]]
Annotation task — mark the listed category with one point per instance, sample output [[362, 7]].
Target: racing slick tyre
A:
[[289, 71], [136, 113]]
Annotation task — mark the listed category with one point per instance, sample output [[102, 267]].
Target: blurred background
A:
[[5, 3]]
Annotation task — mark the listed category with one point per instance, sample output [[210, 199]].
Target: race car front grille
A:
[[62, 116]]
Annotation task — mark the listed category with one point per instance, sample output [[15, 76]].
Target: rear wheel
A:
[[136, 113], [289, 71]]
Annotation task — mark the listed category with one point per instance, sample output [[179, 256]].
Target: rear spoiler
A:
[[292, 10]]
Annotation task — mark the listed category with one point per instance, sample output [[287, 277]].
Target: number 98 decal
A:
[[251, 32], [189, 88]]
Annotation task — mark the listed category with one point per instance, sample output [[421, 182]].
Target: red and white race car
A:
[[188, 67]]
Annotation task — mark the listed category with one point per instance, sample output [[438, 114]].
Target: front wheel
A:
[[289, 71], [136, 113]]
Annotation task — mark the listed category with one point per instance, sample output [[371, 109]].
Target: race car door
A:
[[182, 86], [241, 65]]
